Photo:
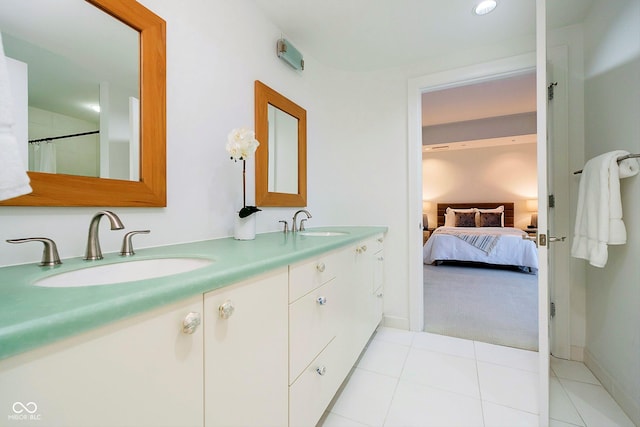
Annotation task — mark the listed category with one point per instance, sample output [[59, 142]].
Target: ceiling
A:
[[358, 35], [364, 35]]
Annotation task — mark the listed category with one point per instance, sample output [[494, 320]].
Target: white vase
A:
[[245, 228]]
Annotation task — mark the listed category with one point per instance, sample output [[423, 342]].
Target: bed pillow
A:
[[465, 219], [450, 215], [499, 210], [490, 219]]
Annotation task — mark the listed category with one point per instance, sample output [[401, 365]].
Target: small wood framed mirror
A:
[[281, 158]]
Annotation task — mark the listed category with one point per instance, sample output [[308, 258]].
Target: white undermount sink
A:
[[126, 271], [318, 233]]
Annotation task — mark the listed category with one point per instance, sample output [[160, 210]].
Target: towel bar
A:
[[628, 156]]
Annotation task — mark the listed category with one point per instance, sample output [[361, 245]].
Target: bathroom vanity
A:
[[263, 336]]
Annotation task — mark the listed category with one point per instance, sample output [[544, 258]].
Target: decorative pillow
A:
[[490, 219], [465, 219], [498, 210], [450, 215]]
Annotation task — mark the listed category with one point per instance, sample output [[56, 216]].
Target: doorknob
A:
[[542, 239]]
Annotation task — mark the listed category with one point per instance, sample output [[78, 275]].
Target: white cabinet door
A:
[[142, 371], [368, 274], [246, 363], [378, 287]]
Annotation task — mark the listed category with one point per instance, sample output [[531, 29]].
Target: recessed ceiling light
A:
[[485, 7]]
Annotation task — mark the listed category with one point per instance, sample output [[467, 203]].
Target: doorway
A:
[[452, 78], [479, 148]]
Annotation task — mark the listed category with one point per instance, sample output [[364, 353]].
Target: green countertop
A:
[[31, 316]]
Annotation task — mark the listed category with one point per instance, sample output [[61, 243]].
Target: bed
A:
[[480, 233]]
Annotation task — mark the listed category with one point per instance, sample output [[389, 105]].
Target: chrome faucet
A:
[[294, 226], [93, 251]]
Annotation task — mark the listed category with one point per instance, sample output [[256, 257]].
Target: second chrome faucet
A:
[[294, 226]]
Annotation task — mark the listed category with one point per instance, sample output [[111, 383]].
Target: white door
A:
[[543, 255], [559, 175], [554, 220]]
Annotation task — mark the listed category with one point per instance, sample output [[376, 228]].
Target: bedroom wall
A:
[[612, 108], [505, 173]]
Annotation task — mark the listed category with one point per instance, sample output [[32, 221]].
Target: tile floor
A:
[[578, 399], [421, 379]]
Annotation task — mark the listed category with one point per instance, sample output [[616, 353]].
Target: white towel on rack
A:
[[14, 180], [599, 214]]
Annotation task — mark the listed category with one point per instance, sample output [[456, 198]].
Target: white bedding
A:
[[510, 248]]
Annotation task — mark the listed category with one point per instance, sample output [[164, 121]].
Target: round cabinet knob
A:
[[379, 294], [380, 240], [321, 370], [380, 258], [226, 309], [320, 267], [322, 300], [361, 249], [191, 322]]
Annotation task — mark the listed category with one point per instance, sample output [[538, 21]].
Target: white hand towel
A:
[[599, 214], [14, 180]]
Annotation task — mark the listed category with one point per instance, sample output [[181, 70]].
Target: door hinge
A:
[[550, 90], [552, 201], [552, 309]]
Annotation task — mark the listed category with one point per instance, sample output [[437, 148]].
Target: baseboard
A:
[[626, 402], [396, 322], [577, 353]]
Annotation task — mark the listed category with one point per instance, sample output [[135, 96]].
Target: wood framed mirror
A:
[[150, 190], [281, 158]]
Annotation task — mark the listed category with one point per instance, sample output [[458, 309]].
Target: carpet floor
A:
[[496, 306]]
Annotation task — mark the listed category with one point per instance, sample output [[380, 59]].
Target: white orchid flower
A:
[[242, 143]]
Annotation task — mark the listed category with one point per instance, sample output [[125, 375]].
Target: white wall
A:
[[357, 141], [212, 64], [18, 75], [493, 174], [612, 109]]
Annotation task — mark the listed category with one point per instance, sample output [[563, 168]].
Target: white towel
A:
[[14, 180], [599, 215]]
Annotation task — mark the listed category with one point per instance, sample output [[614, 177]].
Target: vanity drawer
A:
[[312, 392], [305, 277], [313, 321]]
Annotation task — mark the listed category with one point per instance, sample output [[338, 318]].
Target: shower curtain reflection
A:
[[42, 157]]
